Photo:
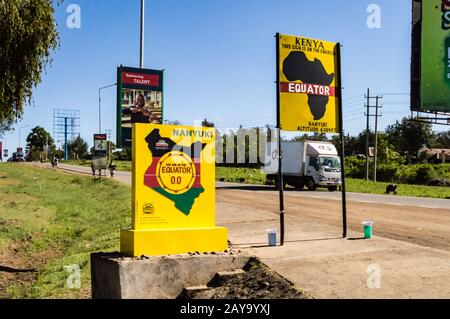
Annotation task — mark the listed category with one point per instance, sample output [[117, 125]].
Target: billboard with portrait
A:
[[139, 100]]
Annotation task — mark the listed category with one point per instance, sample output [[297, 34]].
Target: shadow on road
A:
[[357, 238], [14, 270], [265, 245]]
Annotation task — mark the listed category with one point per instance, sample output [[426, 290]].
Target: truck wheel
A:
[[311, 185], [332, 188]]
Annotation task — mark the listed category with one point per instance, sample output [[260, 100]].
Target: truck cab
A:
[[325, 171]]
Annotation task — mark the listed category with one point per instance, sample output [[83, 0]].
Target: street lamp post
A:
[[141, 60], [19, 133], [99, 106]]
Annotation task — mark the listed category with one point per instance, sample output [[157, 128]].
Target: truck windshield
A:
[[330, 164]]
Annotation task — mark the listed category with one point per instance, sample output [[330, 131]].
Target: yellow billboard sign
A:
[[173, 191], [308, 85]]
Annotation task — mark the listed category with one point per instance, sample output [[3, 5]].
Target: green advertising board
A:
[[434, 45]]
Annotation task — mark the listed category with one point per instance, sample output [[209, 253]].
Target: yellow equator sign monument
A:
[[173, 192]]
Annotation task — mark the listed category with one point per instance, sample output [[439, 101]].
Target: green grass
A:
[[362, 186], [255, 176], [120, 165], [63, 216], [240, 175]]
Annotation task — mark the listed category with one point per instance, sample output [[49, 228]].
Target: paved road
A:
[[353, 197], [423, 221], [125, 177]]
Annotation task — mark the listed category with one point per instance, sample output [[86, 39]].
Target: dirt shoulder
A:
[[407, 258]]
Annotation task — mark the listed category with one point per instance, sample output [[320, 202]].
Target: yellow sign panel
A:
[[173, 193], [308, 85]]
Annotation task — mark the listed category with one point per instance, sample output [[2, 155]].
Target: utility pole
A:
[[377, 106], [367, 134], [368, 115], [141, 60]]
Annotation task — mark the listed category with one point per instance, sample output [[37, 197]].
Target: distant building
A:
[[435, 155]]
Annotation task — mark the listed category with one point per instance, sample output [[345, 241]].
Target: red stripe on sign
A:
[[140, 79], [306, 88], [99, 136]]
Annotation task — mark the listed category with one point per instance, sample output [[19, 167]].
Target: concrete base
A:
[[114, 276], [159, 242]]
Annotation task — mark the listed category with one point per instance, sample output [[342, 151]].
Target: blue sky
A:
[[219, 58]]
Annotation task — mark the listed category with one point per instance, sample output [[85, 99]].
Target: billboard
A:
[[139, 100], [430, 71], [173, 191], [307, 85], [100, 145]]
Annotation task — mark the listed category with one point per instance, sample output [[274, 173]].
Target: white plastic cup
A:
[[272, 237]]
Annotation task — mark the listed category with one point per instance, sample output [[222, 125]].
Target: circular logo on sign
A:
[[148, 208], [176, 172]]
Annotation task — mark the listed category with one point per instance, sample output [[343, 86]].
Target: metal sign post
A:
[[341, 136], [311, 69], [280, 153]]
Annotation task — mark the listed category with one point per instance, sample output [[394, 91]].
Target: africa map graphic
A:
[[161, 147], [297, 67]]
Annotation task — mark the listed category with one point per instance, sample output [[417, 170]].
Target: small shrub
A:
[[425, 174], [387, 173]]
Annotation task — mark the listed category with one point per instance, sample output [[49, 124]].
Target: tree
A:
[[28, 36], [206, 123], [78, 148], [38, 141], [321, 137], [441, 140], [386, 153], [5, 127], [408, 137]]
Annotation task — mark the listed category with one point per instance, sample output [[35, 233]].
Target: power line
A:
[[247, 120], [353, 102], [352, 97]]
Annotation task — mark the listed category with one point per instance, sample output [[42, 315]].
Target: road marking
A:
[[364, 201]]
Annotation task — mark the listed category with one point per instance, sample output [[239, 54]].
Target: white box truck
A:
[[311, 163]]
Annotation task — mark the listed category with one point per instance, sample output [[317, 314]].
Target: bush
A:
[[123, 155], [421, 174], [388, 173], [425, 174], [355, 167]]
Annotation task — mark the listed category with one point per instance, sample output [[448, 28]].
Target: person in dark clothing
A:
[[112, 169], [138, 113]]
